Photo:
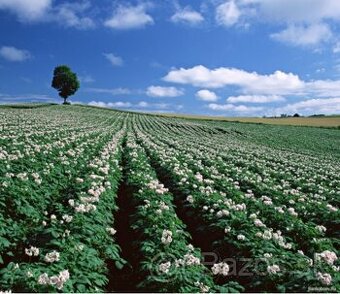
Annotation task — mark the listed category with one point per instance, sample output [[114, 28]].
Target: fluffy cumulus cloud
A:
[[252, 83], [27, 10], [68, 14], [306, 22], [114, 60], [279, 11], [323, 88], [302, 35], [312, 106], [129, 17], [158, 91], [73, 15], [187, 15], [292, 11], [227, 13], [206, 95], [272, 89], [255, 99], [276, 83], [14, 54]]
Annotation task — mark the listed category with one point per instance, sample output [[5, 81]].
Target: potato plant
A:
[[212, 206]]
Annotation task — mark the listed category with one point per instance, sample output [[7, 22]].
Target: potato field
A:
[[97, 200]]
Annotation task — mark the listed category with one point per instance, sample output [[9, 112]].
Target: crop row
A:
[[251, 172], [70, 234], [168, 262], [245, 220], [92, 198]]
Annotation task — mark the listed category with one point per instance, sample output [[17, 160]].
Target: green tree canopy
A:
[[65, 81]]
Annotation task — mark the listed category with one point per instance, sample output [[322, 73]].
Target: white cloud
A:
[[86, 79], [14, 54], [301, 35], [336, 48], [307, 22], [227, 14], [312, 106], [114, 60], [158, 91], [251, 83], [27, 10], [114, 91], [255, 98], [118, 104], [292, 11], [206, 95], [323, 88], [305, 107], [187, 15], [142, 105], [276, 83], [239, 108], [129, 17], [67, 14]]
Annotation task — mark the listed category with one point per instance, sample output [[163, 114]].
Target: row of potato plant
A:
[[68, 248], [169, 263], [222, 163], [27, 194], [251, 234], [206, 162]]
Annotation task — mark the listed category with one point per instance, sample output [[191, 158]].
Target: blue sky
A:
[[216, 57]]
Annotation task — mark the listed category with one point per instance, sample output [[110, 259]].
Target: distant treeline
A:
[[284, 115]]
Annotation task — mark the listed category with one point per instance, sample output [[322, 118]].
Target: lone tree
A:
[[65, 81]]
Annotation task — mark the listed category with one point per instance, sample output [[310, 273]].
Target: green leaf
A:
[[119, 264]]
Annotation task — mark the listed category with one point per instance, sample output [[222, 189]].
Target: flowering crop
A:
[[57, 248], [198, 170], [174, 263], [265, 210]]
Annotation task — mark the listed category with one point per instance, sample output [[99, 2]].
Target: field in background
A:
[[332, 121], [326, 121]]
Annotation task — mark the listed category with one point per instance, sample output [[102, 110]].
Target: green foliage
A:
[[239, 190], [65, 82]]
